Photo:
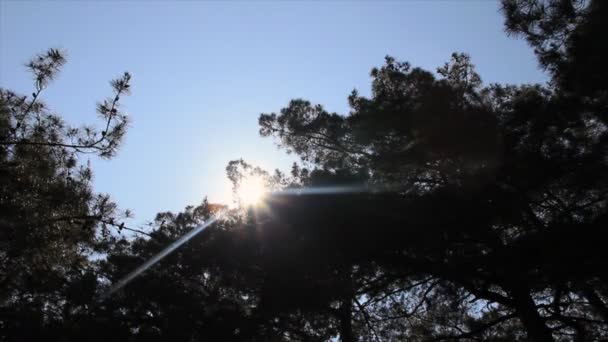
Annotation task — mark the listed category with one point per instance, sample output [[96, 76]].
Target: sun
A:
[[251, 190]]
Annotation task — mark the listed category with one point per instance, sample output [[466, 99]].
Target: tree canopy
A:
[[52, 220], [439, 208]]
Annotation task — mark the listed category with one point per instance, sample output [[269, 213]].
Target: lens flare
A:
[[252, 191], [185, 238]]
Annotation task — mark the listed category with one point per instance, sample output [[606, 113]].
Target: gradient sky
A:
[[204, 71]]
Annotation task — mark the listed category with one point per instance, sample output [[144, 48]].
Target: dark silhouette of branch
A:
[[121, 87], [474, 332], [597, 302], [366, 317], [97, 218]]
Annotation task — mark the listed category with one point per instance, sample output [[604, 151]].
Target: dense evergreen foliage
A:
[[438, 208]]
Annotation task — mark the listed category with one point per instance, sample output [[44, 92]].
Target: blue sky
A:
[[204, 71]]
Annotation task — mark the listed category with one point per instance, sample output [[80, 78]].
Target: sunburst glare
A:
[[251, 190]]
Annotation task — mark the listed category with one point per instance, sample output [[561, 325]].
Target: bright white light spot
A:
[[251, 190]]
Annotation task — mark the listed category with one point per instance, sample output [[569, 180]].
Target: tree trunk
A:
[[346, 315], [534, 324], [346, 328]]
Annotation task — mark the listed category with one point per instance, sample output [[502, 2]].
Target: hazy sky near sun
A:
[[204, 71]]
